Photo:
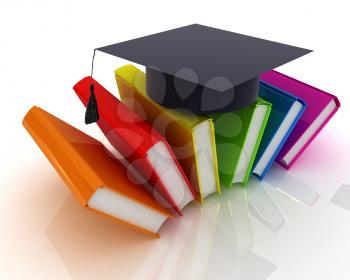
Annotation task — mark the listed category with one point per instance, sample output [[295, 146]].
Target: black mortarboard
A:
[[204, 69]]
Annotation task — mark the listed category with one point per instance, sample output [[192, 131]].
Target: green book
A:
[[238, 135]]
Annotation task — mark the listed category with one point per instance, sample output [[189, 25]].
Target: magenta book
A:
[[320, 108]]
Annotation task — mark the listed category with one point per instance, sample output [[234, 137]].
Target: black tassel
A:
[[91, 114]]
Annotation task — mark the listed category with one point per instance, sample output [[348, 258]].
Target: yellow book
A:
[[191, 136]]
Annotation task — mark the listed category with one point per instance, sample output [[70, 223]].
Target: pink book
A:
[[320, 108]]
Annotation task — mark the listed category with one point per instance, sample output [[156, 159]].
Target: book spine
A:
[[215, 156]]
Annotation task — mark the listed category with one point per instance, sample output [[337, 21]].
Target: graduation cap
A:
[[204, 69]]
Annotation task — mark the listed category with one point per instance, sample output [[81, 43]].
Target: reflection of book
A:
[[143, 147], [262, 206], [236, 215], [98, 180], [321, 106], [196, 256], [163, 258], [191, 136], [285, 112], [238, 135]]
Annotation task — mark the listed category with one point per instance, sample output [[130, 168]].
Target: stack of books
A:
[[180, 137]]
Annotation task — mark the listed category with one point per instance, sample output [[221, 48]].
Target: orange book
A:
[[98, 180]]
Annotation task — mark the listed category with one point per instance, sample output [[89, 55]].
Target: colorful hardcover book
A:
[[190, 136], [99, 181], [321, 106], [238, 135], [143, 147], [285, 112]]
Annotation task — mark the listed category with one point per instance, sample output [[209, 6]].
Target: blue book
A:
[[285, 112]]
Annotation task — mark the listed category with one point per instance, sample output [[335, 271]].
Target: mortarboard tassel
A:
[[91, 114]]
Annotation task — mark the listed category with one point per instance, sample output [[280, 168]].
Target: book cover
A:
[[146, 150], [285, 112], [190, 136], [238, 135], [97, 180], [321, 107]]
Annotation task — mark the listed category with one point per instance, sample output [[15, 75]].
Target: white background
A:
[[46, 46]]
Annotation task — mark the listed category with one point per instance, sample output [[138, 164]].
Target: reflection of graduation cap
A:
[[204, 69]]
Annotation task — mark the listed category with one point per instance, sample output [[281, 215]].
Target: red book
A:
[[149, 157]]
